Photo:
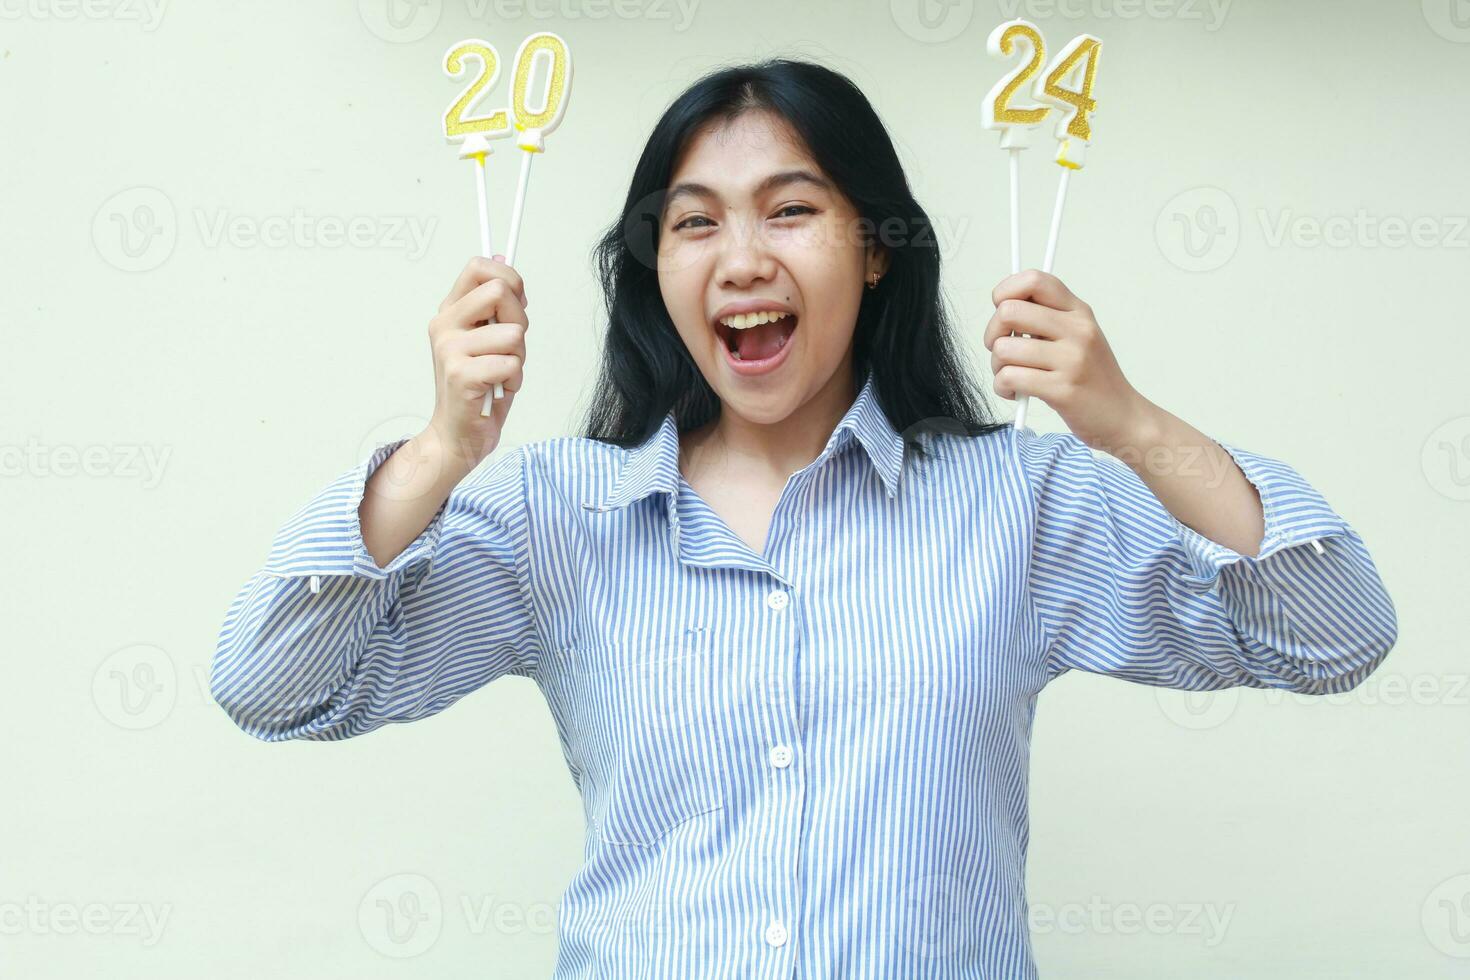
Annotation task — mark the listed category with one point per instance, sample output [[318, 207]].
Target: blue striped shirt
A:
[[810, 762]]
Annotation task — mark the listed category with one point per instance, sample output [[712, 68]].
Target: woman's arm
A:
[[403, 495], [323, 643], [1195, 479], [1189, 567], [1121, 586]]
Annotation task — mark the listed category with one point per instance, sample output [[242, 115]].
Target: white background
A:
[[216, 382]]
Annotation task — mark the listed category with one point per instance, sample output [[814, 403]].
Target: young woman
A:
[[792, 596]]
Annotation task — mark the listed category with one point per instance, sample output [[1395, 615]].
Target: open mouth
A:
[[756, 336]]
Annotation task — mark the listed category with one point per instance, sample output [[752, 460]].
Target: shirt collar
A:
[[653, 466]]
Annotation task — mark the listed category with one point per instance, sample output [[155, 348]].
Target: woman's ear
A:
[[878, 260]]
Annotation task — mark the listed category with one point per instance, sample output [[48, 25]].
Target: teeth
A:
[[744, 321]]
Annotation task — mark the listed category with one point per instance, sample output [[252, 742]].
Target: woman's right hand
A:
[[471, 355]]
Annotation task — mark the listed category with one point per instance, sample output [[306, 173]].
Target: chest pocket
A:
[[652, 729]]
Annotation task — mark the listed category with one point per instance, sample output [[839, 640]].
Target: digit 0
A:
[[536, 123]]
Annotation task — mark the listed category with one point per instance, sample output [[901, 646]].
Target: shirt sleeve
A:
[[1122, 587], [323, 644]]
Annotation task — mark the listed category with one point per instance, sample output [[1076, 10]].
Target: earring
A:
[[873, 281]]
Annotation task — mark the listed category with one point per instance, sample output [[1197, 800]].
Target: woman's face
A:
[[751, 223]]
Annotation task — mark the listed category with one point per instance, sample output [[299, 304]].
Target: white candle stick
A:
[[1014, 123], [1074, 131], [510, 260], [478, 147], [475, 132], [534, 124], [484, 206], [1015, 154], [520, 204], [1055, 236]]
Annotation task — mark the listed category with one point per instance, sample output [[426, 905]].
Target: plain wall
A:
[[214, 382]]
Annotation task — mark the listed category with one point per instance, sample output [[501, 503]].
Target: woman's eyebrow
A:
[[770, 183]]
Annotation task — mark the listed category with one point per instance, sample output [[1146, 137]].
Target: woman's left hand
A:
[[1066, 360]]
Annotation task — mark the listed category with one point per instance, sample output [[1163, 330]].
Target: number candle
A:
[[474, 133], [1074, 133]]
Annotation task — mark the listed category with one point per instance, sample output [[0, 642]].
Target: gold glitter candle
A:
[[997, 112], [1074, 128], [534, 124], [457, 125]]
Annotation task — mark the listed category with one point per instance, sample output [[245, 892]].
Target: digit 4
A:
[[1076, 62]]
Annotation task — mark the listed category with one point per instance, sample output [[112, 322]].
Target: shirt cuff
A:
[[325, 536], [1295, 514]]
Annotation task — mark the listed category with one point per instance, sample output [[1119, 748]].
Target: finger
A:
[[1021, 316], [492, 338], [1038, 287], [479, 270], [1025, 352], [492, 299], [1012, 381], [479, 374]]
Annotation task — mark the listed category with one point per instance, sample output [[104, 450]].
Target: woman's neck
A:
[[732, 447]]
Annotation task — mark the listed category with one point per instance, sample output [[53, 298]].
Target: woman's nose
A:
[[744, 256]]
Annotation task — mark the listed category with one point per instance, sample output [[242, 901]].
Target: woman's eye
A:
[[791, 210]]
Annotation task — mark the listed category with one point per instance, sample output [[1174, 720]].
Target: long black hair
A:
[[903, 333]]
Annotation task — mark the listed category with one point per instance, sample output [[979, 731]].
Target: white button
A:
[[777, 600], [781, 756], [776, 933]]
